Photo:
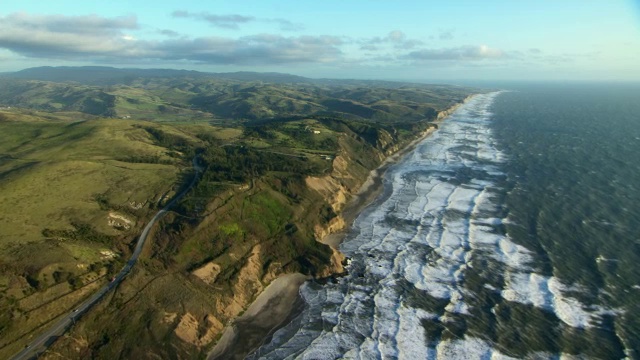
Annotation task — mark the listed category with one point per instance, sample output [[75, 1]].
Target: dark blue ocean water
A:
[[513, 232]]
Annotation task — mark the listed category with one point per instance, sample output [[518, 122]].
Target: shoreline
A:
[[273, 308], [373, 186], [370, 190], [271, 304]]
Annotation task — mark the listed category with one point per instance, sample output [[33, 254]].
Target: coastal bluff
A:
[[351, 185]]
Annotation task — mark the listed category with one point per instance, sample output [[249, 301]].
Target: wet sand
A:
[[273, 308]]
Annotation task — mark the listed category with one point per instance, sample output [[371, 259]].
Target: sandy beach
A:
[[272, 309]]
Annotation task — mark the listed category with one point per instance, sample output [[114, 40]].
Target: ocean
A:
[[512, 232]]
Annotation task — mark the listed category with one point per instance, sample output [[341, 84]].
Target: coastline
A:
[[371, 189], [273, 308], [281, 299]]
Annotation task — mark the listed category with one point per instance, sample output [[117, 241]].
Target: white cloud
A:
[[233, 21], [93, 38], [396, 38], [111, 40], [456, 53]]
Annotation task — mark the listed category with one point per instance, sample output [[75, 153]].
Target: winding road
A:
[[37, 346]]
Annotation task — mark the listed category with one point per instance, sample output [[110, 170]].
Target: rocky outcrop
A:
[[443, 114], [247, 285], [198, 333], [249, 281], [335, 266], [208, 273], [119, 221], [333, 190], [330, 188]]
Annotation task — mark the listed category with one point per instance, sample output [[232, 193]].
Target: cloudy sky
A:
[[376, 39]]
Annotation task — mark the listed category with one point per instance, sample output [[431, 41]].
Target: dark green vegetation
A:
[[85, 163]]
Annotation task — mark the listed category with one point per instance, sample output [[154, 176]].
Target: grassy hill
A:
[[84, 165], [176, 95], [56, 97], [61, 175], [104, 75]]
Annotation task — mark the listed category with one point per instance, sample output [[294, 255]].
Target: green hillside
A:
[[84, 166], [191, 96]]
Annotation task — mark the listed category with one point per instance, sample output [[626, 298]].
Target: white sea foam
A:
[[411, 334], [467, 348], [548, 293]]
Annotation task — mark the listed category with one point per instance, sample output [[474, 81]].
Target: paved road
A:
[[37, 346]]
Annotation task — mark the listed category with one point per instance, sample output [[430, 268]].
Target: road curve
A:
[[36, 347]]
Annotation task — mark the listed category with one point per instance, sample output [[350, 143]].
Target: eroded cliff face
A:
[[443, 114], [339, 186], [336, 188], [190, 329]]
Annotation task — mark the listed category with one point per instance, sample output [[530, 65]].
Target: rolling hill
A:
[[88, 154]]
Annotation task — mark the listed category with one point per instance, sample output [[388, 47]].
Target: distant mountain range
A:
[[104, 75], [168, 95]]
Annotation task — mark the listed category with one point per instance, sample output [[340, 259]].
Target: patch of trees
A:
[[261, 131], [370, 132], [102, 104], [145, 159], [166, 109], [366, 132], [102, 200], [349, 107], [208, 138], [65, 276], [240, 163], [81, 231], [170, 141], [302, 133], [290, 185]]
